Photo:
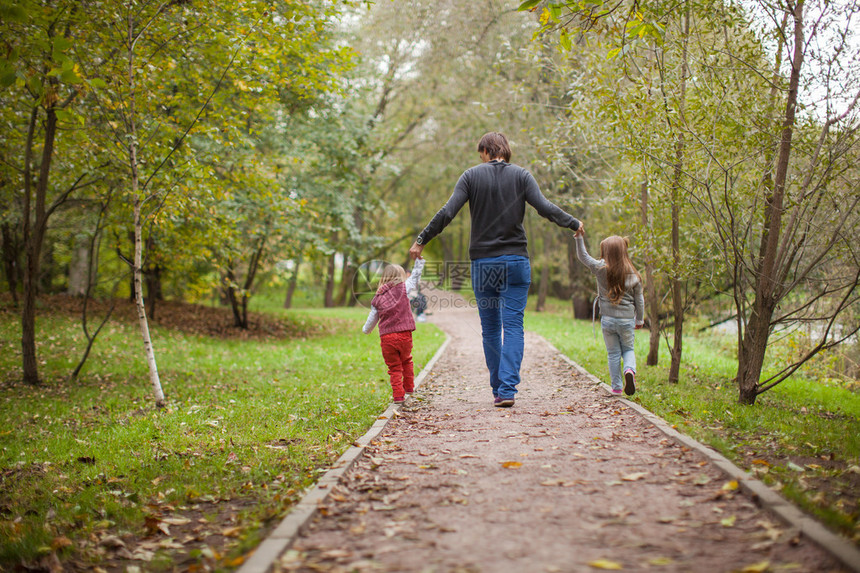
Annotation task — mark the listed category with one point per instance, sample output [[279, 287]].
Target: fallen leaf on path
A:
[[141, 554], [761, 462], [795, 467], [661, 561], [563, 483], [176, 520], [667, 519], [772, 532], [605, 564], [468, 456], [730, 485], [702, 480], [759, 567], [231, 531], [112, 541], [512, 465], [358, 529], [634, 476], [729, 521]]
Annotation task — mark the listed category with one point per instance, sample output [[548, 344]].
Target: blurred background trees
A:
[[211, 153]]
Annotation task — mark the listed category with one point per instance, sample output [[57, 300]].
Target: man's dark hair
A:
[[496, 145]]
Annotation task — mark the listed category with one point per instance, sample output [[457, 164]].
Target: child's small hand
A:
[[639, 326]]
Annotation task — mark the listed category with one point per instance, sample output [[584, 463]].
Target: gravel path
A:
[[567, 480]]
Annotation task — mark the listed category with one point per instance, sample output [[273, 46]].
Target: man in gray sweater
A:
[[497, 193]]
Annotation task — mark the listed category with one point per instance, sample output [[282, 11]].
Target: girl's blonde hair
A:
[[392, 273], [613, 251]]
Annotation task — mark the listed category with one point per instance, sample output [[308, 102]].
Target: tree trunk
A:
[[291, 286], [230, 291], [90, 275], [754, 348], [582, 305], [651, 300], [328, 301], [11, 261], [153, 288], [247, 288], [138, 283], [79, 267], [348, 280], [754, 345], [47, 269], [543, 287], [344, 282], [677, 285], [137, 269], [33, 239], [447, 261], [131, 294]]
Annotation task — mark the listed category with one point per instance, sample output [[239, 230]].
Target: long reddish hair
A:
[[613, 251]]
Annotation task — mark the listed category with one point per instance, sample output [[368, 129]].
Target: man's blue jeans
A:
[[501, 286], [619, 335]]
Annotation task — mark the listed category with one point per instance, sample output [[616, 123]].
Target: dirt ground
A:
[[569, 479]]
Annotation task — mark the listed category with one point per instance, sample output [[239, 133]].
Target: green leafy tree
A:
[[45, 155], [758, 167]]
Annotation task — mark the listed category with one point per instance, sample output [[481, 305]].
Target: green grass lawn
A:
[[802, 437], [249, 424]]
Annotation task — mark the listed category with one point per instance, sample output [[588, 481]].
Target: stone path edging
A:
[[286, 532], [840, 548]]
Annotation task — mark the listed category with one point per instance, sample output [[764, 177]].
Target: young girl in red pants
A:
[[390, 308]]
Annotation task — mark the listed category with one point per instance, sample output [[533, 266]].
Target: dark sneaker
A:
[[504, 402], [629, 382], [496, 400]]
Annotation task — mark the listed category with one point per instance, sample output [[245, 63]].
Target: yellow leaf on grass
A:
[[605, 564], [510, 465], [759, 567]]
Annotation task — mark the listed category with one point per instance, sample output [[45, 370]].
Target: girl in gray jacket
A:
[[622, 305]]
